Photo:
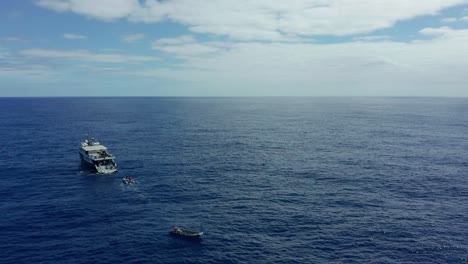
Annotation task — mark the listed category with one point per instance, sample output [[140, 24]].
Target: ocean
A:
[[269, 180]]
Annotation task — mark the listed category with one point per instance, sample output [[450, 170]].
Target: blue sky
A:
[[233, 48]]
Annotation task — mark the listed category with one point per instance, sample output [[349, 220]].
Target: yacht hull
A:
[[100, 169]]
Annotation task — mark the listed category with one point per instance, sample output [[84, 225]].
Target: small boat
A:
[[185, 232], [128, 180]]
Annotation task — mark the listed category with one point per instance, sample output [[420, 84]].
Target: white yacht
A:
[[94, 154]]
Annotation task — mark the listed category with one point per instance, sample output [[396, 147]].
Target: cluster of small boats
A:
[[95, 155], [128, 180]]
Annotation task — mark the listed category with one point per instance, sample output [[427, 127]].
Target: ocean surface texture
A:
[[269, 180]]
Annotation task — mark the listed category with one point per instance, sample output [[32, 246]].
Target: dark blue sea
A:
[[269, 180]]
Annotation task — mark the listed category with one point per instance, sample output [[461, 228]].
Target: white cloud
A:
[[133, 38], [29, 72], [101, 69], [435, 66], [187, 49], [438, 32], [372, 38], [185, 46], [448, 20], [74, 36], [102, 9], [267, 20], [175, 41], [85, 55], [13, 39], [261, 19], [454, 19], [3, 53]]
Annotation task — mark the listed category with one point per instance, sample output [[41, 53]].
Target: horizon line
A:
[[238, 96]]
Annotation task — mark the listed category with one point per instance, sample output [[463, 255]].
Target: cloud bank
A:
[[74, 36], [363, 66], [85, 55], [261, 19], [297, 47], [133, 38]]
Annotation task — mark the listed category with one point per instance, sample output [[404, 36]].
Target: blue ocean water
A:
[[269, 180]]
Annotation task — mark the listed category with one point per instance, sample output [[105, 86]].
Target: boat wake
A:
[[135, 189]]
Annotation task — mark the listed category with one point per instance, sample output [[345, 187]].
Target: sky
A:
[[234, 48]]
